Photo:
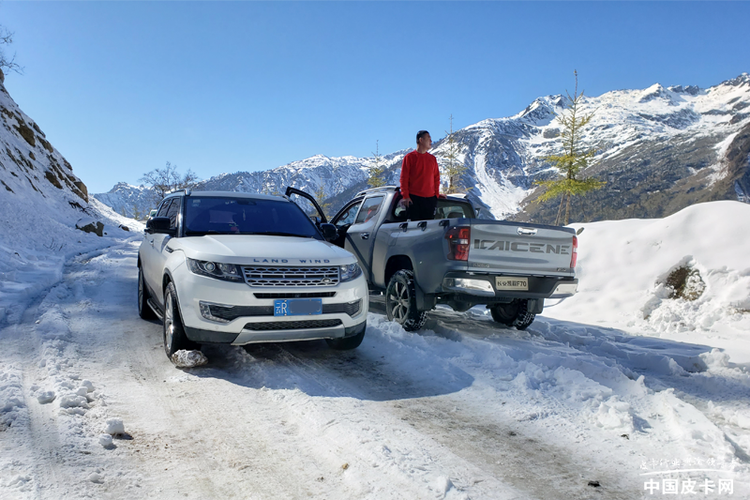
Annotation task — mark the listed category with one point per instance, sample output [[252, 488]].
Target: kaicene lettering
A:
[[521, 246]]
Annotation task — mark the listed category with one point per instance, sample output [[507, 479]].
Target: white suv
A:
[[236, 268]]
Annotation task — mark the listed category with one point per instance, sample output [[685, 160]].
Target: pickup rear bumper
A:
[[483, 286]]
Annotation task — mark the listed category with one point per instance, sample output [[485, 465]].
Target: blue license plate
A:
[[297, 307]]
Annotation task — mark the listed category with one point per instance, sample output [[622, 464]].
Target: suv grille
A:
[[293, 325], [291, 276]]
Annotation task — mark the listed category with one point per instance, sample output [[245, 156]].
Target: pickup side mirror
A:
[[330, 232], [160, 225]]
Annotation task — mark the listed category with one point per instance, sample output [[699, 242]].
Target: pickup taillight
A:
[[458, 242], [574, 255]]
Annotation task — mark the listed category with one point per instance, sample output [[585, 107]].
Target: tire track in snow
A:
[[195, 430]]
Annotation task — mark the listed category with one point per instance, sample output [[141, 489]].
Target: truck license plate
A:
[[511, 283], [297, 307]]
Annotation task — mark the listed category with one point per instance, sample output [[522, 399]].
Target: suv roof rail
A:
[[376, 189], [187, 191]]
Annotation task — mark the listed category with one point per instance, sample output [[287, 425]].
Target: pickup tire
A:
[[516, 313], [174, 333], [347, 343], [401, 301], [144, 310]]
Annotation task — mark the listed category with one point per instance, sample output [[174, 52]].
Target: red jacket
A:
[[420, 175]]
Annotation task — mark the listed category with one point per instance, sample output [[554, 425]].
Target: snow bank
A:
[[623, 266]]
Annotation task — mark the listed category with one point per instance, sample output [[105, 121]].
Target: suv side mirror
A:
[[330, 232], [160, 225]]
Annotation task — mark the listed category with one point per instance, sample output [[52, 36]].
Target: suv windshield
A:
[[221, 215]]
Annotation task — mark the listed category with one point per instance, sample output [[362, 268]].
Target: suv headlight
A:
[[350, 272], [218, 270]]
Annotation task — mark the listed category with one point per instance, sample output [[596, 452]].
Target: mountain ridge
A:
[[671, 140]]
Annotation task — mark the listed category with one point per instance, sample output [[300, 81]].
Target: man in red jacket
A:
[[420, 180]]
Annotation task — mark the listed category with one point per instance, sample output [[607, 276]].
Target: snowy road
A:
[[463, 409]]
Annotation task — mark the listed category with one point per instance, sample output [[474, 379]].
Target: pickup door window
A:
[[344, 219], [360, 237]]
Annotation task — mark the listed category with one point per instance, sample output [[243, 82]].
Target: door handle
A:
[[152, 242], [526, 231], [365, 236]]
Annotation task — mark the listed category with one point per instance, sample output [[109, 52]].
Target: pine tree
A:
[[377, 170], [320, 197], [453, 167], [573, 160]]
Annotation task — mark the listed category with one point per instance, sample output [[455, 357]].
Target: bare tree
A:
[[164, 180], [7, 63]]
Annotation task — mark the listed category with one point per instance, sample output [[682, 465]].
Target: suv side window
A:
[[370, 209], [173, 212]]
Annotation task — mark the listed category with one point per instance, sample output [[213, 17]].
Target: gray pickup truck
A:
[[455, 259]]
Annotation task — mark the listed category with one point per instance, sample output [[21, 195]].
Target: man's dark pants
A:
[[422, 208]]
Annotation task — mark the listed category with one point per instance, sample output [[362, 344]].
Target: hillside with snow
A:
[[43, 208], [660, 149]]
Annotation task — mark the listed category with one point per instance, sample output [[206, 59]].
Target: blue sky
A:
[[120, 88]]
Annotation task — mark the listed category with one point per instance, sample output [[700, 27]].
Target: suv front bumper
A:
[[240, 314]]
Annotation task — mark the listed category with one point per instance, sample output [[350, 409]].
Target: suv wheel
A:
[[516, 313], [144, 310], [174, 333], [347, 343], [401, 301]]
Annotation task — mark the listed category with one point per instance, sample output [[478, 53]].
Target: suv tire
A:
[[516, 313], [347, 343], [144, 310], [401, 301], [174, 333]]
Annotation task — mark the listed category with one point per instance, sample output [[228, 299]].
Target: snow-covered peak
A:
[[740, 81]]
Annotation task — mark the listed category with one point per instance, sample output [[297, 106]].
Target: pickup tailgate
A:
[[531, 249]]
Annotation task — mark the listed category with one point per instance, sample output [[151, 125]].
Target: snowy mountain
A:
[[660, 149], [128, 200]]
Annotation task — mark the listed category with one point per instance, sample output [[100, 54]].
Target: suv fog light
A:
[[206, 312]]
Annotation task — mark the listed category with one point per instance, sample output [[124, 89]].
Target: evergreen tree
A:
[[377, 170], [320, 197], [573, 160], [453, 167], [136, 213]]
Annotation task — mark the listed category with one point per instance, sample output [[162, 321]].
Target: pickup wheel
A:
[[144, 310], [401, 301], [174, 333], [515, 314]]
